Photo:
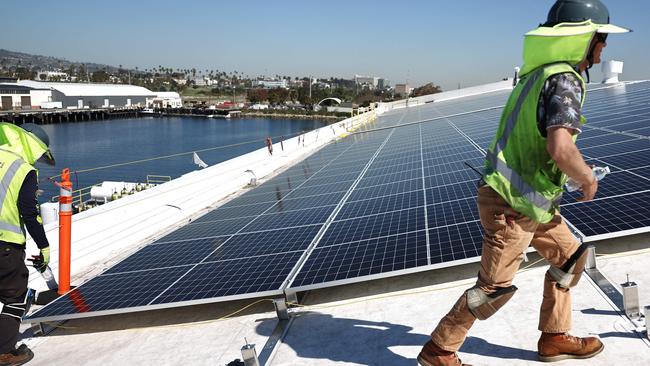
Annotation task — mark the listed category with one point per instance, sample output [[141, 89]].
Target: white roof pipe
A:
[[611, 70]]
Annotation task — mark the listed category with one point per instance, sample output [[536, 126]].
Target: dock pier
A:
[[53, 116]]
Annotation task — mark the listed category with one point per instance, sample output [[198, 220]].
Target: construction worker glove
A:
[[45, 253], [44, 259]]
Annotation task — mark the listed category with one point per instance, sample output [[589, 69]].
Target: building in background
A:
[[52, 76], [369, 82], [270, 84], [81, 95], [14, 96], [165, 100], [402, 90]]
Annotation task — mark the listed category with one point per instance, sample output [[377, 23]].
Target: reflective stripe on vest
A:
[[4, 188], [518, 182], [500, 166]]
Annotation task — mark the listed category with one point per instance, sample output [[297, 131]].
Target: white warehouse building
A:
[[165, 100], [21, 97], [82, 95]]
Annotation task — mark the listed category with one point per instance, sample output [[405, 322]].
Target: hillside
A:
[[11, 60]]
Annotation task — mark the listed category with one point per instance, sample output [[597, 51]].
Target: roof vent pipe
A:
[[516, 78], [611, 69]]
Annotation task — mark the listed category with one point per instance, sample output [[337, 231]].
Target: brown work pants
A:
[[506, 237]]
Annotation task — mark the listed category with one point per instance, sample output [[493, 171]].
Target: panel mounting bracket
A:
[[281, 308]]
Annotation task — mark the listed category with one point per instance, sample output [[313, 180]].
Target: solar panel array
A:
[[377, 204]]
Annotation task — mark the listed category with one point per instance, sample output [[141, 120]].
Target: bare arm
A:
[[566, 155]]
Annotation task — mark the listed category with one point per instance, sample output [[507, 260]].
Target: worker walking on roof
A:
[[526, 167], [20, 148], [269, 145]]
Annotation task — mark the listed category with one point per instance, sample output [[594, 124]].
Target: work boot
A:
[[19, 356], [553, 347], [432, 355]]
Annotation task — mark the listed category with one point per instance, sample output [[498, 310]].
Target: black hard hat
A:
[[576, 11], [40, 134]]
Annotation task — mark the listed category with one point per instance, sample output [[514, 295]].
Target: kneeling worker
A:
[[20, 148], [526, 167]]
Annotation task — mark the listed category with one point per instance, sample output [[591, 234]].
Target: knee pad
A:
[[569, 274], [18, 309], [482, 305]]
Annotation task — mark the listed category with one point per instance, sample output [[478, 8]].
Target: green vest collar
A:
[[21, 143], [564, 42]]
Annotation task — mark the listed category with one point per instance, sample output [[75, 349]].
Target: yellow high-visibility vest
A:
[[13, 171]]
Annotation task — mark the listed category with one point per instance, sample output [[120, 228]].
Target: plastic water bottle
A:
[[599, 173], [48, 276]]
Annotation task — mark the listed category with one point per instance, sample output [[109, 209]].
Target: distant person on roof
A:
[[526, 167], [269, 145], [20, 148]]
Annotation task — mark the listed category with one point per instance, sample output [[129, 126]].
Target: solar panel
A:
[[340, 262], [644, 172], [201, 247], [372, 205], [454, 231], [621, 215], [619, 208]]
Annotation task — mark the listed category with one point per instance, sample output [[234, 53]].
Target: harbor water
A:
[[81, 146]]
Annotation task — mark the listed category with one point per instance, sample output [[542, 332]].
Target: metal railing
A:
[[78, 196], [158, 179]]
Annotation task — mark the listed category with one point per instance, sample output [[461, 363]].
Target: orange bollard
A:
[[65, 225]]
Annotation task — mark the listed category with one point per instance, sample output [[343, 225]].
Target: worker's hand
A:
[[42, 260], [589, 190], [45, 253]]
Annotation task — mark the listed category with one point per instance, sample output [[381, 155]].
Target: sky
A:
[[449, 43]]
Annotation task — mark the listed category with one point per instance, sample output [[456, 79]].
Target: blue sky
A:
[[446, 42]]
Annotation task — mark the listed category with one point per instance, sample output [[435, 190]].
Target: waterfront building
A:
[[259, 106], [82, 95], [14, 96], [165, 100]]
